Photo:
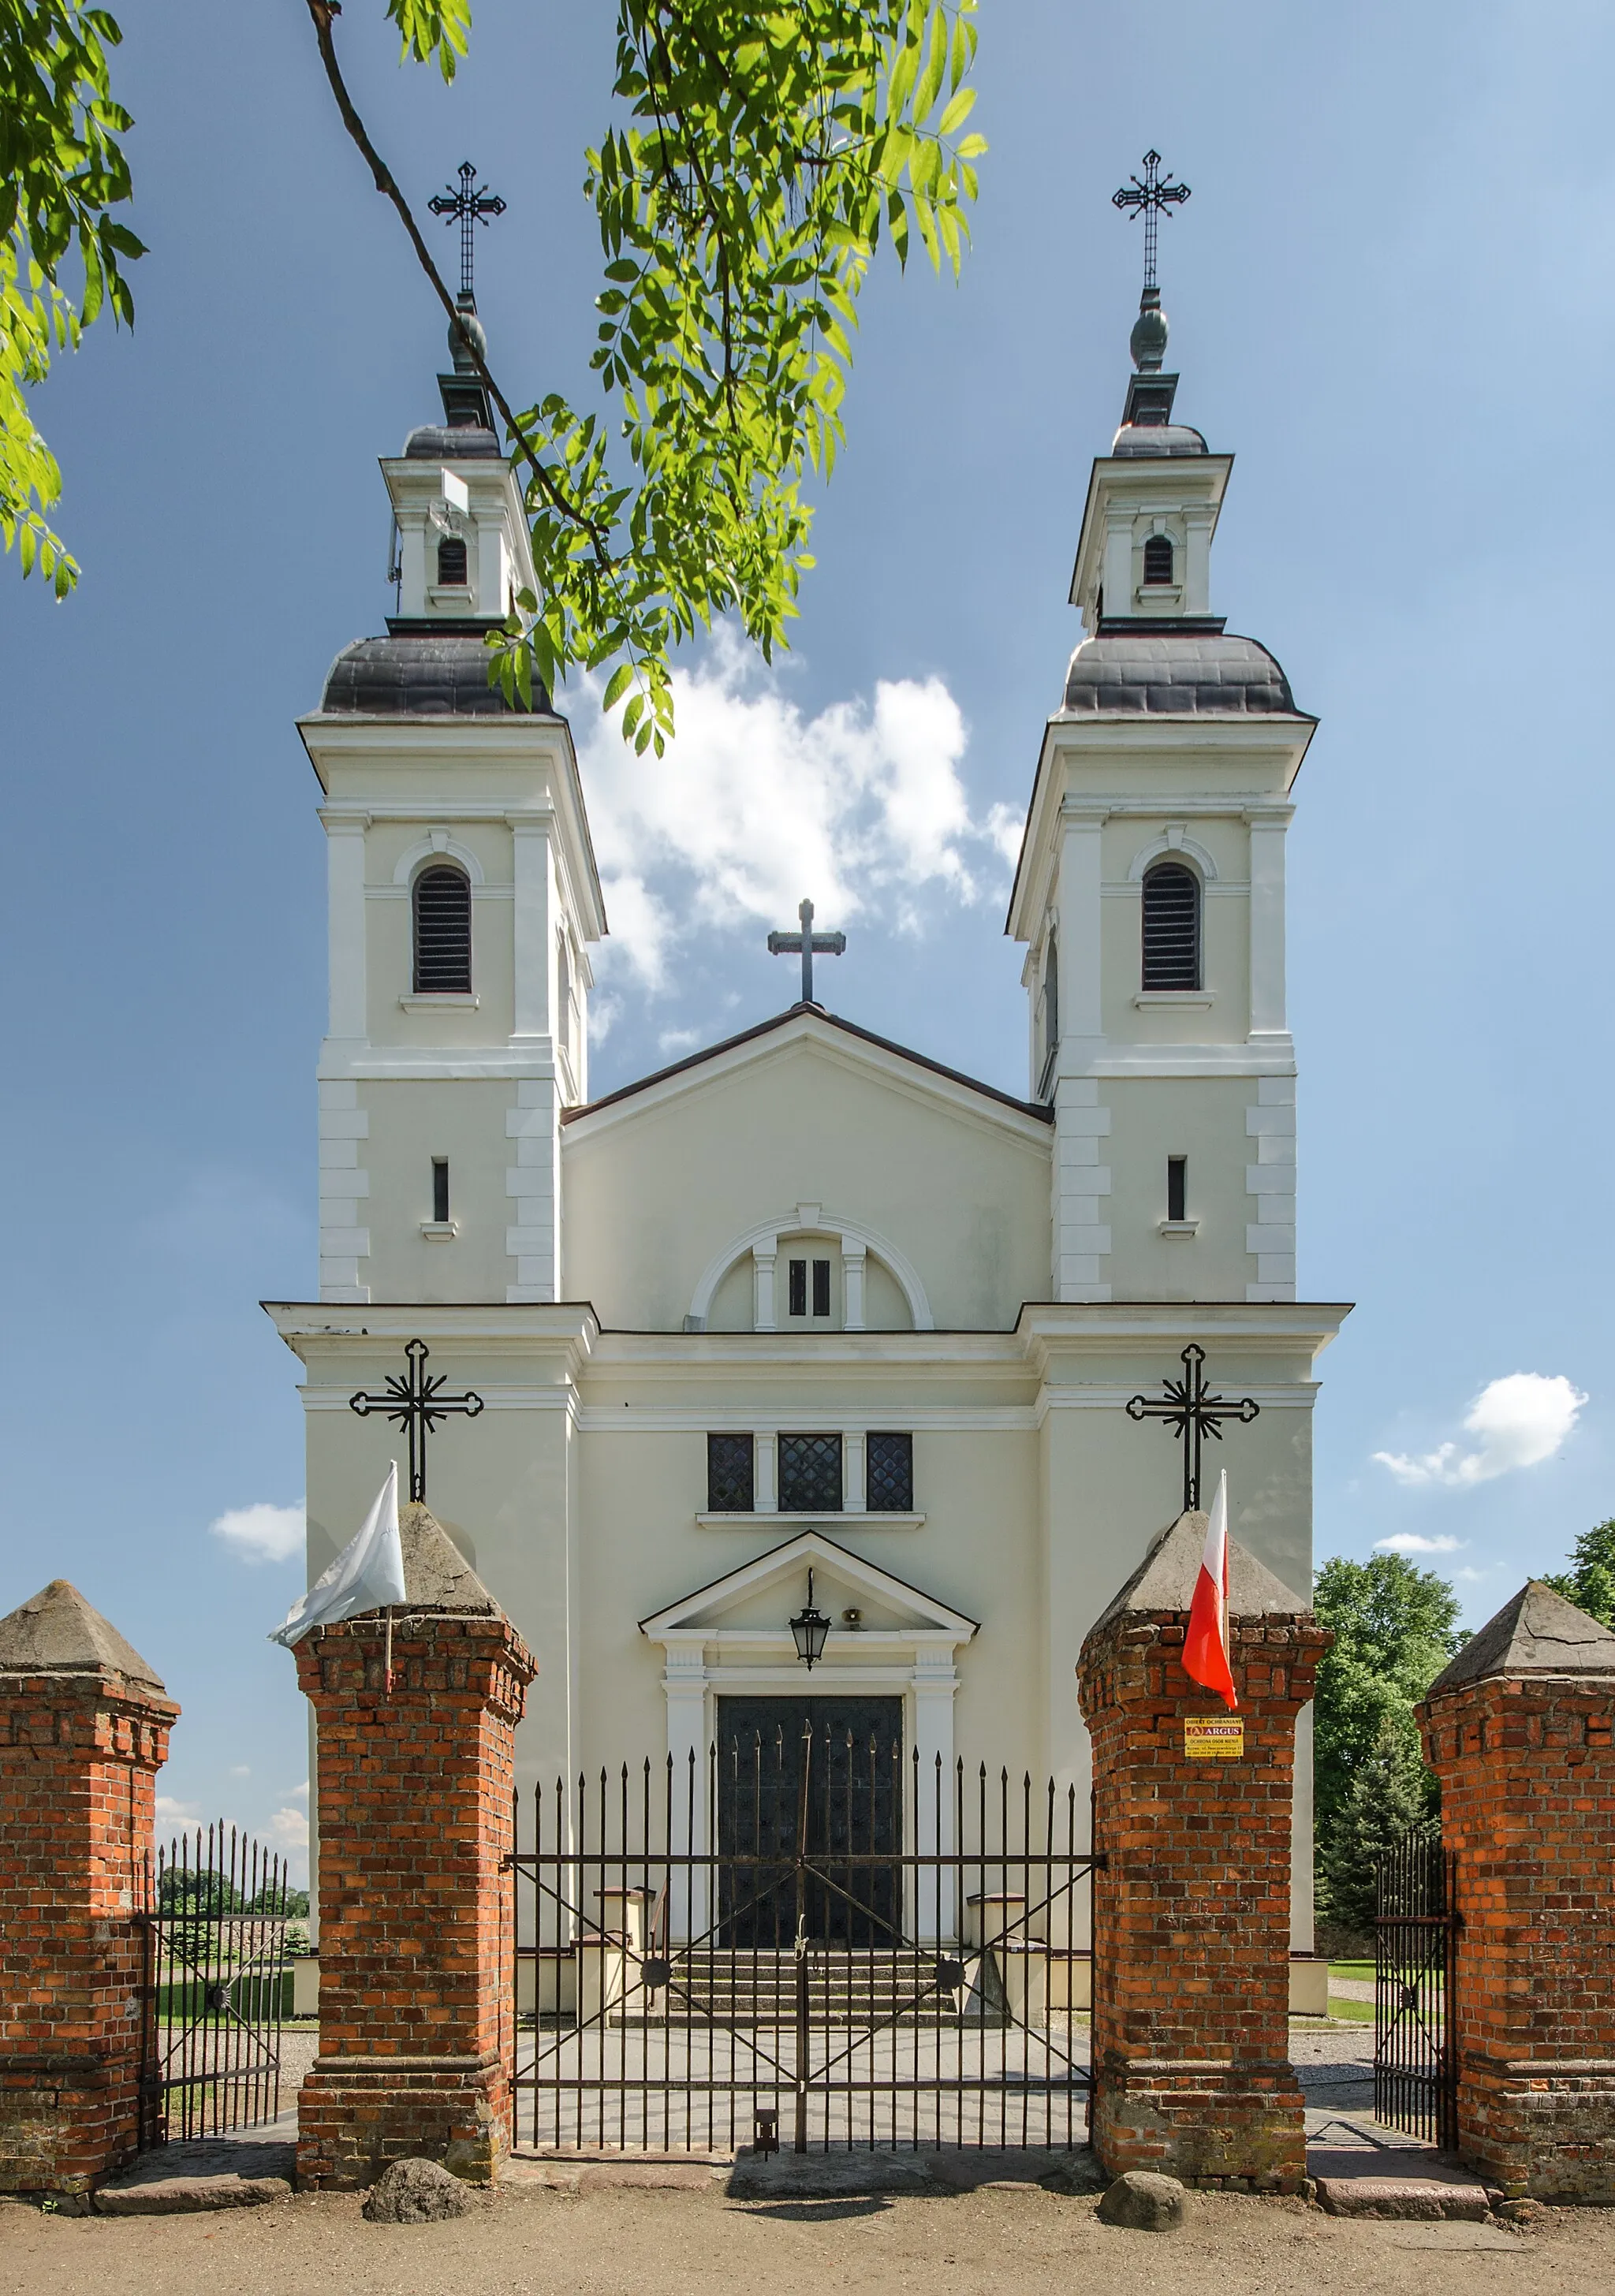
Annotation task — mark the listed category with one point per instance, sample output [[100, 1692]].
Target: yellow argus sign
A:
[[1214, 1738]]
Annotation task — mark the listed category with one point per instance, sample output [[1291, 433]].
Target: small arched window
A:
[[564, 994], [442, 905], [1171, 927], [451, 562], [1158, 560], [1049, 1031]]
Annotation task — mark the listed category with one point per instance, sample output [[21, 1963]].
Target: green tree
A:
[[758, 151], [1390, 1791], [1395, 1628], [1590, 1581], [62, 173]]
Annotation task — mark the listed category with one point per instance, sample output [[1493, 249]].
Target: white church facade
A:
[[808, 1299]]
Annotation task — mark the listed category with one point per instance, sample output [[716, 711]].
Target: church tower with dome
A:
[[1150, 893]]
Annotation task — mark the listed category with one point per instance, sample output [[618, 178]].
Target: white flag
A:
[[366, 1574]]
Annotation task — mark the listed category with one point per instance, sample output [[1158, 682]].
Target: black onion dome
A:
[[442, 675], [439, 442], [1176, 676]]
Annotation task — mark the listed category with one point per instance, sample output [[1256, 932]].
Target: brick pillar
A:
[[1517, 1730], [1191, 2034], [415, 1809], [84, 1730]]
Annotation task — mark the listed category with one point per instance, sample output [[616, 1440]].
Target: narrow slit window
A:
[[1171, 927], [1177, 1187], [439, 1189], [799, 1287], [1158, 560], [451, 572], [730, 1474], [443, 936], [821, 1287]]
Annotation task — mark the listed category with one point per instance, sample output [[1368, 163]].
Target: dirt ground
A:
[[663, 2243]]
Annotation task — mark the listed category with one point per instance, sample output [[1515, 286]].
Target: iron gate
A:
[[217, 1985], [819, 1943], [1415, 2066]]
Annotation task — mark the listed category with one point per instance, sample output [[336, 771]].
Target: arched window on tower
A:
[[1158, 560], [1049, 1016], [452, 565], [443, 930], [1171, 927]]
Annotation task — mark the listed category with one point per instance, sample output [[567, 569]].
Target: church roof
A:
[[1538, 1632], [57, 1632], [831, 1020], [443, 442], [440, 673], [1165, 1580], [1136, 440], [1175, 674]]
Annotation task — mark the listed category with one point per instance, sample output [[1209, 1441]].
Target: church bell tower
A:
[[463, 901], [1150, 891]]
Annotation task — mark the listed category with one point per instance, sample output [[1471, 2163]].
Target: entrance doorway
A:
[[812, 1778]]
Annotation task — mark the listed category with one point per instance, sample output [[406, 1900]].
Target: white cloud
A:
[[171, 1812], [1517, 1421], [241, 1770], [1409, 1542], [261, 1533], [756, 805], [288, 1830]]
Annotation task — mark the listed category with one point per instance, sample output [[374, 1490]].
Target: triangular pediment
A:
[[761, 1594]]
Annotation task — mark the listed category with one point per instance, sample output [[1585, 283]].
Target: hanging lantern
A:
[[809, 1629]]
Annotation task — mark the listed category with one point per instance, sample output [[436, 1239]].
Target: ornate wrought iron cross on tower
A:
[[1192, 1410], [473, 205], [809, 944], [414, 1402], [1150, 195]]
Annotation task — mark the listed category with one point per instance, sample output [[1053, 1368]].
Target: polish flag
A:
[[1206, 1641]]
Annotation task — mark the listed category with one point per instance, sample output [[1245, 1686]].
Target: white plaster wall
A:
[[408, 1123]]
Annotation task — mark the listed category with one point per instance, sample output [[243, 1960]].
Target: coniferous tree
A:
[[1389, 1793]]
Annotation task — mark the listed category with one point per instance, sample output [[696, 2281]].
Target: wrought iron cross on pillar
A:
[[1191, 1410], [1150, 195], [417, 1403], [472, 205], [809, 944]]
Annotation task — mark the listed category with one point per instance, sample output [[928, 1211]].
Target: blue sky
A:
[[1389, 295]]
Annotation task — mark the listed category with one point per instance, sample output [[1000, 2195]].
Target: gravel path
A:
[[1022, 2243]]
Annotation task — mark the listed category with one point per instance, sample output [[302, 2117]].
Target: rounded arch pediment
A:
[[853, 1236]]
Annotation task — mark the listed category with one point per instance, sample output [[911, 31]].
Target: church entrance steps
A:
[[757, 1988]]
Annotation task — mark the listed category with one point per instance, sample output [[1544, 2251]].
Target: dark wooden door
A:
[[850, 1752]]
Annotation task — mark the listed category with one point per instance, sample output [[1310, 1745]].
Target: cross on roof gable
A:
[[786, 1563]]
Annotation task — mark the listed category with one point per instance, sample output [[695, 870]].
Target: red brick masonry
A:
[[1528, 1802], [414, 1801], [80, 1754], [1191, 2036]]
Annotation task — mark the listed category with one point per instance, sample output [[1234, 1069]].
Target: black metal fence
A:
[[218, 1986], [807, 1935], [1414, 2040]]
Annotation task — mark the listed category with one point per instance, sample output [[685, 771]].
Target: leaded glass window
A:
[[729, 1474], [892, 1474], [811, 1474]]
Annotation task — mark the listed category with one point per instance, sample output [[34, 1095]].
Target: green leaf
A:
[[958, 111], [621, 679]]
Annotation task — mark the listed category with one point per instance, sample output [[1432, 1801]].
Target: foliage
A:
[[1389, 1792], [61, 173], [1590, 1581], [760, 150], [1395, 1628]]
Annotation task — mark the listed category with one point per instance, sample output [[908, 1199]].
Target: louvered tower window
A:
[[442, 934], [451, 562], [1158, 559], [1171, 927]]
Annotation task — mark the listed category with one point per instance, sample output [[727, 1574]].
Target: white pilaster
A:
[[684, 1681], [1081, 945], [349, 1019], [534, 1182], [855, 1471], [764, 1473], [854, 1256], [1082, 1184], [936, 1913], [344, 1244], [764, 1257], [1271, 1181], [532, 874], [1268, 926]]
